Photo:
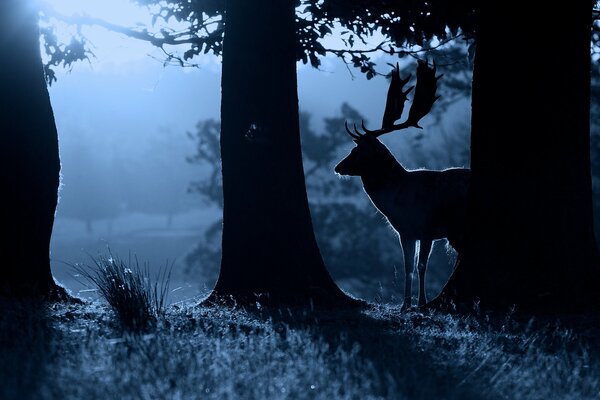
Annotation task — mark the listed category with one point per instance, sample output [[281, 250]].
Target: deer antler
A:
[[394, 105], [423, 99], [356, 134], [425, 94]]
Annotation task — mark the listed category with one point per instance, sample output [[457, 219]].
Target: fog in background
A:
[[123, 121]]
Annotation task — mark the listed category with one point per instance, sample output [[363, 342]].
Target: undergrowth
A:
[[217, 352], [138, 299]]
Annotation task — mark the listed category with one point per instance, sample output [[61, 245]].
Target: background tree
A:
[[165, 193], [89, 193], [30, 160]]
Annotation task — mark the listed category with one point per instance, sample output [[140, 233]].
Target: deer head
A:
[[369, 149]]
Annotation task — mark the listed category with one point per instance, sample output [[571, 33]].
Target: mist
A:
[[124, 122], [298, 199]]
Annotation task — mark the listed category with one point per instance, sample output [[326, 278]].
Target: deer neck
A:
[[384, 175]]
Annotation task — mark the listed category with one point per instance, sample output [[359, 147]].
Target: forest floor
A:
[[79, 351]]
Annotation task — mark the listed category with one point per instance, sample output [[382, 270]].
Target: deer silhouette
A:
[[421, 205]]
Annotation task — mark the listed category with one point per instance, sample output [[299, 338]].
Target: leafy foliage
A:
[[208, 151], [354, 24], [404, 28], [61, 54]]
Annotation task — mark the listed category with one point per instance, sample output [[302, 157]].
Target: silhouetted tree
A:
[[529, 238], [29, 156]]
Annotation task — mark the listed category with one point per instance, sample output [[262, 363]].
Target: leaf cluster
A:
[[399, 24], [61, 54]]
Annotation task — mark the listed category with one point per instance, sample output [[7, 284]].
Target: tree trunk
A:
[[529, 231], [30, 172], [269, 248]]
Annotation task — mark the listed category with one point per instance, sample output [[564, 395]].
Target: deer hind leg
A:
[[408, 248], [424, 251]]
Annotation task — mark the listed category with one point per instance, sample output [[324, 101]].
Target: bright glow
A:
[[111, 50], [122, 12]]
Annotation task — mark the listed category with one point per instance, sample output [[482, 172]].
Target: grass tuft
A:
[[139, 301]]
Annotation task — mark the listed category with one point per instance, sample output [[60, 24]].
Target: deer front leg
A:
[[424, 250], [408, 248]]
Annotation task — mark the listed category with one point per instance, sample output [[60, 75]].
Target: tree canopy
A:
[[351, 30], [398, 23]]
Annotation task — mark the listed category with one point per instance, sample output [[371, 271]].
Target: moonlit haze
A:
[[180, 224], [123, 120]]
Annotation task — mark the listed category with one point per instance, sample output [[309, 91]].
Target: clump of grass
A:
[[138, 300]]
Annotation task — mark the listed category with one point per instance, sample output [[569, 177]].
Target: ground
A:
[[80, 351]]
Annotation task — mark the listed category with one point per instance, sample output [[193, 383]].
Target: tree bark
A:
[[30, 161], [269, 249], [529, 231]]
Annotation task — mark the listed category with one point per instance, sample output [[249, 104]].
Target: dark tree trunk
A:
[[30, 163], [529, 235], [269, 248]]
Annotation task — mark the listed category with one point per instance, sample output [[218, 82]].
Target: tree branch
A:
[[158, 41], [391, 51]]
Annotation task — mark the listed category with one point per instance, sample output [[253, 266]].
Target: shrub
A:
[[137, 300]]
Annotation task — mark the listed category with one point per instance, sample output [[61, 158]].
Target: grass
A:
[[138, 300], [81, 351]]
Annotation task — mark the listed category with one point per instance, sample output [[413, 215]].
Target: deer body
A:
[[421, 205]]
